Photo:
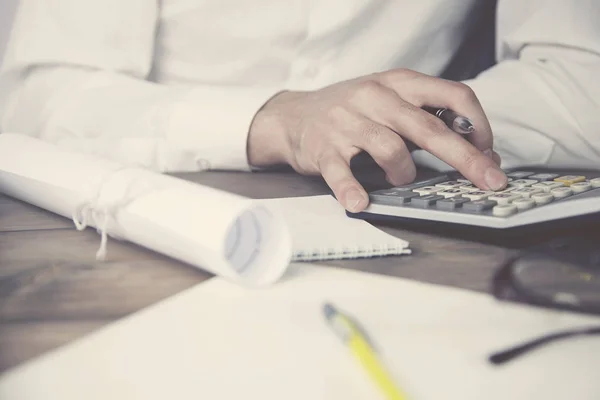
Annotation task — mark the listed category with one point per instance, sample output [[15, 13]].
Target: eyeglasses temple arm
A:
[[513, 352]]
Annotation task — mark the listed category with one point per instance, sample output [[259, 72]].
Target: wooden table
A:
[[52, 291]]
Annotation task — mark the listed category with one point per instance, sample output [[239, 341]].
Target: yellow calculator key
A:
[[568, 180]]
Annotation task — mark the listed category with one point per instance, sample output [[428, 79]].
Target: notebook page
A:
[[221, 341], [321, 230]]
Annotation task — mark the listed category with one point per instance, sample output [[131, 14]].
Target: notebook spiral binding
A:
[[351, 252]]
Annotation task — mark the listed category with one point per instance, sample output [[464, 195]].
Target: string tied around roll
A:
[[94, 212], [100, 218]]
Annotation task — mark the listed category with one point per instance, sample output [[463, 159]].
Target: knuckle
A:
[[366, 89], [391, 151], [375, 76], [464, 92], [470, 160], [400, 73], [371, 132], [434, 126]]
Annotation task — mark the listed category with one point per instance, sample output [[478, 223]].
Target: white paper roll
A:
[[231, 236]]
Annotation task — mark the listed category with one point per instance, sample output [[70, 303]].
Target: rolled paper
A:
[[237, 238]]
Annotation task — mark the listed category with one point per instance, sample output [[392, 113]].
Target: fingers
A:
[[420, 89], [384, 145], [432, 135], [338, 176], [388, 150]]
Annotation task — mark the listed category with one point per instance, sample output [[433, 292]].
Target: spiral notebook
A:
[[321, 230]]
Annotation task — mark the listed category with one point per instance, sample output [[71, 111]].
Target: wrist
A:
[[268, 142]]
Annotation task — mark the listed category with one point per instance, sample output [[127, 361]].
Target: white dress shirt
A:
[[174, 85]]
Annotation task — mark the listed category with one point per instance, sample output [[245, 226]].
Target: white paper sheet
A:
[[231, 236], [221, 341], [321, 230]]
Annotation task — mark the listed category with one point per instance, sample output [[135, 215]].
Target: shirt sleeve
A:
[[543, 96], [77, 73]]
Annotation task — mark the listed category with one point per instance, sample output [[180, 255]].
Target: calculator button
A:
[[392, 196], [464, 180], [561, 192], [523, 182], [543, 177], [520, 174], [504, 210], [524, 204], [542, 198], [527, 191], [449, 184], [595, 182], [386, 192], [479, 205], [451, 192], [547, 186], [580, 187], [507, 189], [425, 201], [568, 180], [425, 190], [470, 188], [479, 195], [426, 182], [451, 203], [504, 198]]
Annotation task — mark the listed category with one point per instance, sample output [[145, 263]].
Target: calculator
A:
[[532, 196]]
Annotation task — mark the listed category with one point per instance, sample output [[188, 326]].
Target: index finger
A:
[[432, 135], [424, 90]]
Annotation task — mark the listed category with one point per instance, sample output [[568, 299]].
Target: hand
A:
[[319, 132]]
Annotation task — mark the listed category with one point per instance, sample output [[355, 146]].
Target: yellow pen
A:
[[362, 350]]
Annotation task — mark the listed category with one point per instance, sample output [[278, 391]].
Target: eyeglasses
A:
[[563, 275]]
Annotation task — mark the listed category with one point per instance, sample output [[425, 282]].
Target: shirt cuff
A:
[[210, 126]]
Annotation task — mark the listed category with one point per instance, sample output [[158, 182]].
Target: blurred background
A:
[[7, 9]]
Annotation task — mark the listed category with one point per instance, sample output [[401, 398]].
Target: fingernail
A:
[[495, 179], [488, 153], [353, 200]]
